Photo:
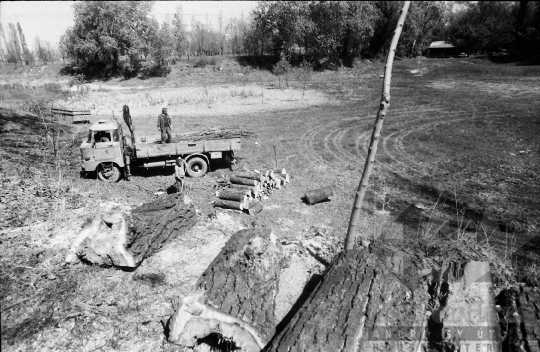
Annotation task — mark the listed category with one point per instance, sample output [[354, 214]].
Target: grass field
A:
[[457, 165]]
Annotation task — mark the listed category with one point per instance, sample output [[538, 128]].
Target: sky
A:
[[50, 19]]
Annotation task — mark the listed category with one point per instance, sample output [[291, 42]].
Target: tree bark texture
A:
[[350, 240], [125, 240], [319, 195], [365, 300], [235, 296], [519, 318], [529, 302]]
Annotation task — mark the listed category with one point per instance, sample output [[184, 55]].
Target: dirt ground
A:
[[458, 159]]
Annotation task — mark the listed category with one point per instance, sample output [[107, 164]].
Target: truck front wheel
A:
[[196, 167], [109, 173]]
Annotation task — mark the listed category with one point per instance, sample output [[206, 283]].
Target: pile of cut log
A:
[[248, 187], [213, 133]]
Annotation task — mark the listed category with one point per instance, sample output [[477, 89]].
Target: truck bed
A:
[[150, 150]]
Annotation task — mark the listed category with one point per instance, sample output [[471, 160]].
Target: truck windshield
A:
[[116, 135], [102, 136]]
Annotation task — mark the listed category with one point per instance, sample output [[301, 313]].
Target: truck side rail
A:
[[150, 150]]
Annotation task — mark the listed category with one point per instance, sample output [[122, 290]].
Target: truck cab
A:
[[102, 151]]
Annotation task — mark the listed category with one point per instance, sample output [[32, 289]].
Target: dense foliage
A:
[[495, 26], [123, 38], [344, 30], [110, 36]]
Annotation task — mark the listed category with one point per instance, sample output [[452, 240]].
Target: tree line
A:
[[14, 49], [345, 30], [123, 38], [493, 26]]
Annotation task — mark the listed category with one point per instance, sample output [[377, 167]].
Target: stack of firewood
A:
[[213, 133], [248, 187]]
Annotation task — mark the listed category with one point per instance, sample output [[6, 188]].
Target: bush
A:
[[204, 61], [283, 67]]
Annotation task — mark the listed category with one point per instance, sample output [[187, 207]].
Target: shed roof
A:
[[441, 44]]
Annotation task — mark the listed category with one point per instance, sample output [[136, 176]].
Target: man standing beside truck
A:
[[164, 125], [180, 174]]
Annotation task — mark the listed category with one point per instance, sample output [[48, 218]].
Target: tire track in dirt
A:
[[331, 136], [405, 159], [331, 143]]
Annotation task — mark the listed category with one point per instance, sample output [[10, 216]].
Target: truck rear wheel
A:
[[196, 167], [109, 173]]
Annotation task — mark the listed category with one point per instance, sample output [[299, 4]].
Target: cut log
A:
[[126, 239], [280, 171], [250, 175], [254, 207], [235, 296], [229, 204], [239, 196], [253, 189], [246, 191], [285, 177], [364, 301], [281, 178], [319, 195], [243, 181]]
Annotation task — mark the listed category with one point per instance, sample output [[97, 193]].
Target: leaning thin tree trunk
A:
[[381, 114]]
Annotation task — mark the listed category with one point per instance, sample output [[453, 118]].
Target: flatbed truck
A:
[[111, 154]]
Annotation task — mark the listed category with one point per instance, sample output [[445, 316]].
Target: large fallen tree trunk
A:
[[365, 300], [126, 239], [235, 296]]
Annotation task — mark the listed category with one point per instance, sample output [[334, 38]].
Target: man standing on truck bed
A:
[[164, 125]]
